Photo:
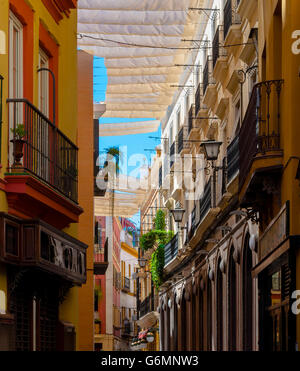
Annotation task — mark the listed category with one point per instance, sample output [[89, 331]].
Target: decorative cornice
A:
[[129, 249], [59, 8]]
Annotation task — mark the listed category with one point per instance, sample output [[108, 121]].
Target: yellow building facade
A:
[[279, 240], [39, 200]]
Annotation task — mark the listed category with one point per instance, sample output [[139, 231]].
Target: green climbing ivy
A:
[[160, 220], [147, 240], [160, 237], [157, 263], [163, 237]]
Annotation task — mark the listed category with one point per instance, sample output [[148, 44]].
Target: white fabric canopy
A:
[[107, 130], [125, 207], [141, 41], [129, 194]]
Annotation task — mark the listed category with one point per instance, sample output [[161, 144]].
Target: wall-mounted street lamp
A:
[[150, 337], [142, 262], [211, 149], [178, 214], [211, 152]]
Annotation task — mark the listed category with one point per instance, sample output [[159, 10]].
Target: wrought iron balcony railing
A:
[[205, 200], [224, 175], [147, 305], [160, 177], [127, 328], [182, 139], [126, 284], [171, 250], [260, 131], [172, 153], [191, 118], [233, 159], [193, 221], [199, 105], [186, 234], [47, 153], [217, 48], [101, 259], [197, 100], [207, 74], [230, 15], [101, 252]]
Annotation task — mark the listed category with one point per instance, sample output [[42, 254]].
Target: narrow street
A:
[[149, 178]]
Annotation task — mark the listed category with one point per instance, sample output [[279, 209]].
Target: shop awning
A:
[[143, 42]]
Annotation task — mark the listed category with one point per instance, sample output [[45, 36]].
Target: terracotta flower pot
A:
[[18, 151]]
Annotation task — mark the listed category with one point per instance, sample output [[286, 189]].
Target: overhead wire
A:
[[158, 47]]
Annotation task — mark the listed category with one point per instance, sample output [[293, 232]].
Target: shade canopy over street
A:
[[145, 46]]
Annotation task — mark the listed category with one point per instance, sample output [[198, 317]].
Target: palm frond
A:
[[115, 152]]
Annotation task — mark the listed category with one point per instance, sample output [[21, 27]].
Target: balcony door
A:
[[15, 57], [43, 83], [15, 75], [277, 321], [34, 302], [41, 127]]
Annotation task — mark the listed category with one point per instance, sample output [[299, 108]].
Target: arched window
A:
[[175, 341], [193, 322], [200, 314], [209, 314], [231, 302], [183, 322], [247, 295], [219, 307], [168, 327], [162, 328]]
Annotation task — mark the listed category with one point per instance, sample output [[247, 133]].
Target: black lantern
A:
[[142, 262], [211, 149], [150, 337], [178, 214]]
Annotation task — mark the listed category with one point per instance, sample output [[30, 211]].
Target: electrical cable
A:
[[81, 36]]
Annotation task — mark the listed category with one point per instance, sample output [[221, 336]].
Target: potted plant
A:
[[18, 141]]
